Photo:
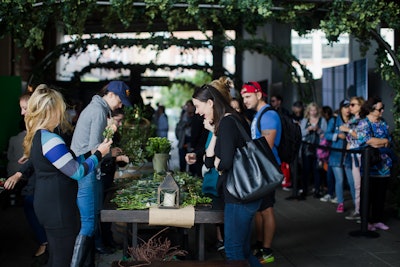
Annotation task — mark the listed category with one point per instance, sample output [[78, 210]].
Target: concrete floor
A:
[[309, 233]]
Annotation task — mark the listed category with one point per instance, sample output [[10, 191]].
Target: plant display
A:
[[142, 193], [157, 145], [155, 249], [134, 134], [109, 131]]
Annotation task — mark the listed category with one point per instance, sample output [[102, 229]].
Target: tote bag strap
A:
[[242, 131]]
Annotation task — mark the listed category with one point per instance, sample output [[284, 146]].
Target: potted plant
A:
[[135, 131], [159, 148]]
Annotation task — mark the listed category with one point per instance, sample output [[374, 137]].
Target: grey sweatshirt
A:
[[89, 129]]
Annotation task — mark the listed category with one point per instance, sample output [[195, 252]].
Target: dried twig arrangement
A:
[[155, 250]]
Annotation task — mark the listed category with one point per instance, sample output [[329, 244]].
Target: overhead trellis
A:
[[27, 21], [303, 80]]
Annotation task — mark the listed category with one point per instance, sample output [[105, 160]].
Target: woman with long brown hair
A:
[[217, 112]]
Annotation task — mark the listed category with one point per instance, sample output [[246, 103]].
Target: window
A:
[[339, 49]]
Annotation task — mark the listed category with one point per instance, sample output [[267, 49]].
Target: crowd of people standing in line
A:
[[207, 143], [354, 125]]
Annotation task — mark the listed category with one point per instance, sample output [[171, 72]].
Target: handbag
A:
[[374, 155], [312, 139], [210, 176], [323, 153], [210, 179], [255, 172]]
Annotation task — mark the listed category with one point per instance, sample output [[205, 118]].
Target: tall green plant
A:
[[136, 130]]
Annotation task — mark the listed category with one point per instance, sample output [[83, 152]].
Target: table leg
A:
[[201, 241], [126, 241], [134, 234]]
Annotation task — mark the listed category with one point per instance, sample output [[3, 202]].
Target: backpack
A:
[[291, 137], [323, 153]]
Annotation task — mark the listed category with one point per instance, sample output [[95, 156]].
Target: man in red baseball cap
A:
[[270, 127]]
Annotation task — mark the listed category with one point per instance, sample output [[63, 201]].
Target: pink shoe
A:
[[340, 208], [371, 227], [381, 226]]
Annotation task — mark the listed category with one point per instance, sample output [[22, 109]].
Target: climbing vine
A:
[[27, 22]]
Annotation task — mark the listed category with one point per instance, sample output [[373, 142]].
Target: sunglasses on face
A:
[[353, 104], [380, 109]]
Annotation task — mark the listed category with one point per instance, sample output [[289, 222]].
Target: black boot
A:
[[91, 255], [83, 245]]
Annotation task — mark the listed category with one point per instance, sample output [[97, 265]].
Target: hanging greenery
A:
[[27, 21]]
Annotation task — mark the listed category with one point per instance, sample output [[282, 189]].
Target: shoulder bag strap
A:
[[259, 117], [243, 132]]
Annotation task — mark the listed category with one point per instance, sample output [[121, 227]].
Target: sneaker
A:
[[353, 216], [255, 248], [340, 208], [334, 200], [220, 245], [326, 198], [381, 226], [286, 188], [265, 256], [371, 227]]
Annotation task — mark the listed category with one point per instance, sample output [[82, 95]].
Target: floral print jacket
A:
[[367, 130]]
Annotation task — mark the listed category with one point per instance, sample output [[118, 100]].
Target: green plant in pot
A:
[[158, 148], [134, 134]]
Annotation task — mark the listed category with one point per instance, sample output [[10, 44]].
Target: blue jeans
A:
[[238, 225], [339, 177], [88, 203], [330, 181], [350, 181]]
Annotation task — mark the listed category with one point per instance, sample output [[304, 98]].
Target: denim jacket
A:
[[336, 158]]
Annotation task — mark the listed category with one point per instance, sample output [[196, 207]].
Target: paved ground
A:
[[309, 233]]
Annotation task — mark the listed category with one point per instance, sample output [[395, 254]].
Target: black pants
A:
[[61, 246], [377, 196]]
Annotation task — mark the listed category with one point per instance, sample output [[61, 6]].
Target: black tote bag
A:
[[255, 171]]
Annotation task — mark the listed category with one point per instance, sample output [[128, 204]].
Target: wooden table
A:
[[135, 217]]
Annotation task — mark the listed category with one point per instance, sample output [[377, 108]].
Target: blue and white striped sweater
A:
[[57, 152]]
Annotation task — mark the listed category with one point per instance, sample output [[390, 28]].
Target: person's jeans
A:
[[350, 181], [330, 181], [88, 203], [30, 214], [238, 225], [339, 177]]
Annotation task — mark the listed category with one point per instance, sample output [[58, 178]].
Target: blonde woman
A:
[[56, 172], [313, 125]]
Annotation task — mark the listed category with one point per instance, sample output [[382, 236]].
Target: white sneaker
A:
[[326, 198], [334, 200], [353, 216]]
